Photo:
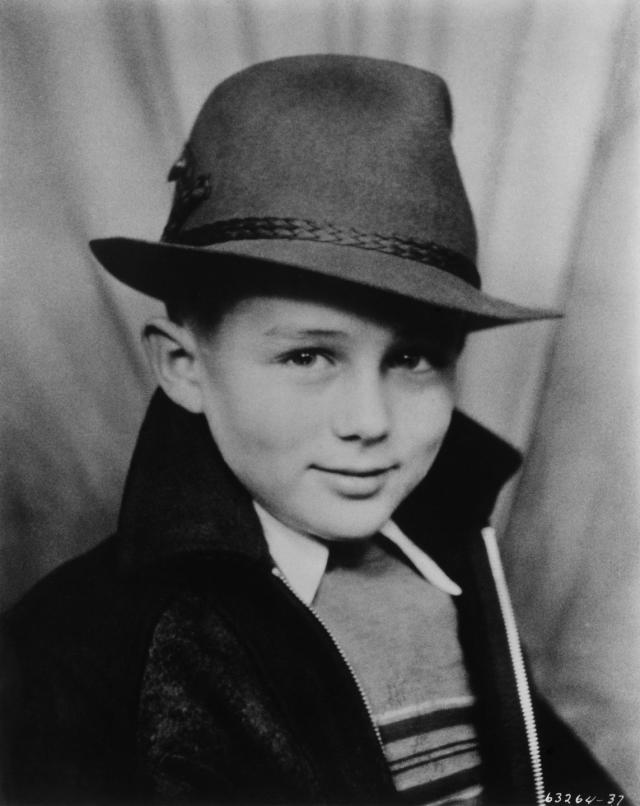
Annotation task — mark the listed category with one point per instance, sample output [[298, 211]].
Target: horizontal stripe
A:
[[426, 707], [447, 786], [425, 723], [437, 754], [472, 795], [425, 775], [442, 746]]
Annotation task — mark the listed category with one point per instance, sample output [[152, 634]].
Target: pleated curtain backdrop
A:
[[97, 99]]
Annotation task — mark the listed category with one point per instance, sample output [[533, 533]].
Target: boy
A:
[[303, 602]]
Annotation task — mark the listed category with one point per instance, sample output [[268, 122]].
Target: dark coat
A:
[[259, 705]]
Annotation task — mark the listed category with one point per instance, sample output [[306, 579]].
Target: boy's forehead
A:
[[208, 300], [281, 314]]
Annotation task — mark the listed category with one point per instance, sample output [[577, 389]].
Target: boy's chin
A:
[[358, 525]]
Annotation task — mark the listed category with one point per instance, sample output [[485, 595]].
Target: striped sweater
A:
[[399, 633]]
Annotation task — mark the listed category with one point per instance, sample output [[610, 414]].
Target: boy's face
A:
[[327, 415]]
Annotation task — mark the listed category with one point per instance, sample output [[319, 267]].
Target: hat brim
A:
[[159, 269]]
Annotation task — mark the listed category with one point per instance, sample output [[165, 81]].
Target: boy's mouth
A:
[[359, 473], [356, 483]]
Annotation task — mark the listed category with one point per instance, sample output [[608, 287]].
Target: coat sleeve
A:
[[209, 728], [185, 747]]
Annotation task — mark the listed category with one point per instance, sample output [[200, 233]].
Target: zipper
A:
[[517, 661], [279, 575]]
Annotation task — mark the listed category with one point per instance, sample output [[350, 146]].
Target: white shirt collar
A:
[[303, 559]]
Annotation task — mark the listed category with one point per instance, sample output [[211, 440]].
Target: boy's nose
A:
[[362, 411]]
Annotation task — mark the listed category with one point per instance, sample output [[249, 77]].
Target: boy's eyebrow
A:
[[293, 333], [416, 334], [284, 332]]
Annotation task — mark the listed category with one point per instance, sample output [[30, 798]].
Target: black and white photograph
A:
[[320, 402]]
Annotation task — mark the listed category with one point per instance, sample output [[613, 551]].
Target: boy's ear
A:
[[172, 351]]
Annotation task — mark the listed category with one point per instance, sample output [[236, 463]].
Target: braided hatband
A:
[[240, 229]]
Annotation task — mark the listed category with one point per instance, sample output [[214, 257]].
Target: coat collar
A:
[[181, 500]]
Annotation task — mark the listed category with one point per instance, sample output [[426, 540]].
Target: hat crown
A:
[[340, 166], [352, 142]]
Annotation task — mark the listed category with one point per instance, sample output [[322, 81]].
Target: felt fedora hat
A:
[[337, 165]]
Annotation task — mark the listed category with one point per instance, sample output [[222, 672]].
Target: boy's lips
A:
[[353, 472], [356, 483]]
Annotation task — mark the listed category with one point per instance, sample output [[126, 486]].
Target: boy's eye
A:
[[413, 361], [305, 358]]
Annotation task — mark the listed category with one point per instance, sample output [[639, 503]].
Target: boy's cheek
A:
[[426, 423], [269, 417]]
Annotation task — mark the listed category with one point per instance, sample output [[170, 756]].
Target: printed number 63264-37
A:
[[612, 799]]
